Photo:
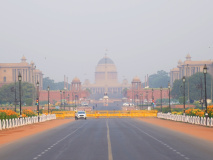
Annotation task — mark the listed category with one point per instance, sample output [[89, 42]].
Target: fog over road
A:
[[108, 139]]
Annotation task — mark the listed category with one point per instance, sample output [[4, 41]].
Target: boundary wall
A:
[[187, 119], [16, 122]]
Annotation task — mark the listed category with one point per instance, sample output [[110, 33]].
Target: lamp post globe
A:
[[19, 76], [205, 69], [37, 84]]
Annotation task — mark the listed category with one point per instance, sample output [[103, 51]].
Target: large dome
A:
[[106, 60], [105, 71], [106, 64]]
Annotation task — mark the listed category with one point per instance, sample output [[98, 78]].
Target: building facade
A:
[[106, 81], [189, 67], [138, 94], [74, 96], [9, 73]]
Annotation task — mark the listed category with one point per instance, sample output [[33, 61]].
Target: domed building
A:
[[106, 80]]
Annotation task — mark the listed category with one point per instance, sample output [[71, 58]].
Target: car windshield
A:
[[81, 112]]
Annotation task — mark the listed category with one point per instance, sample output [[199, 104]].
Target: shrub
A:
[[28, 113], [8, 114]]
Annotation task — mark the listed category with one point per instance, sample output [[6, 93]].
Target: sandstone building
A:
[[139, 94], [189, 67], [9, 73]]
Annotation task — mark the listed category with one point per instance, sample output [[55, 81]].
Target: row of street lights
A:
[[184, 102], [184, 80], [20, 93], [64, 98]]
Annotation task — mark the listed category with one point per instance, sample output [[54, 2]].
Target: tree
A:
[[159, 79], [7, 92], [53, 86], [196, 86]]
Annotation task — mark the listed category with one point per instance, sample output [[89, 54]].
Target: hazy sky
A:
[[69, 37]]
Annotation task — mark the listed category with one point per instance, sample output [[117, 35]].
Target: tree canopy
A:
[[53, 86], [159, 79], [7, 93], [196, 86]]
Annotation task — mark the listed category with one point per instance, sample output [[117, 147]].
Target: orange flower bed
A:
[[8, 114], [200, 113], [28, 113]]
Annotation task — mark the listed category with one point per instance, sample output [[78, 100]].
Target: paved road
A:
[[108, 139]]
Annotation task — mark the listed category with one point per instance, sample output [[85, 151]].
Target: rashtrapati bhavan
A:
[[9, 73], [106, 80]]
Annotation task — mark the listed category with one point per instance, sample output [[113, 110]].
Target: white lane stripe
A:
[[158, 141], [59, 141], [109, 143]]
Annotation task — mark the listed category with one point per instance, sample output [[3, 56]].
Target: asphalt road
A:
[[108, 139]]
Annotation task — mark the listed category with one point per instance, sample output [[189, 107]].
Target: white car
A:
[[80, 115]]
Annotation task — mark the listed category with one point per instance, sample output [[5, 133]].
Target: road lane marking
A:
[[109, 143], [49, 148], [160, 141]]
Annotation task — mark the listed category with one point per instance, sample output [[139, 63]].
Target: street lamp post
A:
[[142, 100], [137, 100], [161, 98], [184, 103], [15, 95], [147, 96], [19, 79], [69, 100], [169, 97], [75, 99], [205, 72], [48, 89], [37, 84], [61, 97], [201, 86], [64, 99], [134, 98], [152, 99]]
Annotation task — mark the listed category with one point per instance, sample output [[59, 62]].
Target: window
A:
[[5, 79]]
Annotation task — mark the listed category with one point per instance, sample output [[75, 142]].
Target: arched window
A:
[[5, 79]]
